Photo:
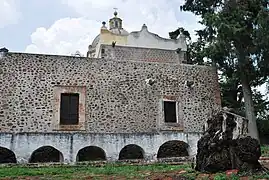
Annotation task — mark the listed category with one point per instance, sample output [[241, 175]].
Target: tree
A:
[[194, 49], [235, 33], [232, 97]]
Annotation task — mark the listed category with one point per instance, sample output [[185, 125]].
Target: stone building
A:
[[135, 98]]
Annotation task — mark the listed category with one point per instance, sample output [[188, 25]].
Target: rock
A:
[[203, 176], [225, 146]]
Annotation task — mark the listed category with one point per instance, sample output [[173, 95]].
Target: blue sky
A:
[[31, 15], [64, 26]]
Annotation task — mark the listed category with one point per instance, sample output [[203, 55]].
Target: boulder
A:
[[225, 145]]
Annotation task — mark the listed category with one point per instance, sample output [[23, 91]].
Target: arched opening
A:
[[7, 156], [173, 148], [91, 153], [131, 151], [46, 154]]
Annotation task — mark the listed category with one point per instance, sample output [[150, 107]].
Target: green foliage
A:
[[265, 150], [263, 125], [180, 30], [224, 177], [220, 177], [235, 30], [235, 177], [236, 40], [193, 48]]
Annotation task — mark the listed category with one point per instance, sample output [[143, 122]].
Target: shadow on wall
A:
[[174, 148], [7, 156], [46, 154], [91, 153]]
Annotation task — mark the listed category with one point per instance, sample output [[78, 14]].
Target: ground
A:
[[113, 171]]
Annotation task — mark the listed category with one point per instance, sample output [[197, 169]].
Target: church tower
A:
[[115, 22]]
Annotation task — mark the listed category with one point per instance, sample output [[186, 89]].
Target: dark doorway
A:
[[131, 151], [69, 111], [173, 148], [91, 153], [170, 114], [7, 156], [46, 154]]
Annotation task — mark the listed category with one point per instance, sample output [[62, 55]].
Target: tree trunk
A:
[[244, 66], [249, 107]]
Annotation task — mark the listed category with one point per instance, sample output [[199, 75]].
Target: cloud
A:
[[161, 16], [9, 12], [64, 37], [70, 34]]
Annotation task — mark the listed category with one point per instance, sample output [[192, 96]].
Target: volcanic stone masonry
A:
[[117, 97], [123, 53]]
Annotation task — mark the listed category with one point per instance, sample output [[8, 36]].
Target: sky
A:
[[65, 26]]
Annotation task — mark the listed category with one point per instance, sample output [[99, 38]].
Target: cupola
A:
[[115, 22]]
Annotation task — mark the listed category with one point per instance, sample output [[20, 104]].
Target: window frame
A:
[[176, 109], [57, 91]]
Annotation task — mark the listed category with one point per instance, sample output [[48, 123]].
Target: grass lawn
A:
[[85, 172], [111, 171]]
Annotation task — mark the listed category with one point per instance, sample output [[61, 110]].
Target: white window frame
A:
[[169, 100]]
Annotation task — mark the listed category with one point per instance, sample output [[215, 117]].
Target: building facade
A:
[[130, 102]]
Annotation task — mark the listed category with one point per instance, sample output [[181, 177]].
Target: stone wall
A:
[[116, 95], [123, 53]]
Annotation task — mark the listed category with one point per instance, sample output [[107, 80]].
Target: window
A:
[[69, 109], [116, 24], [170, 112]]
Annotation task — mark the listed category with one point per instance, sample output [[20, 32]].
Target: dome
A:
[[96, 41], [115, 28]]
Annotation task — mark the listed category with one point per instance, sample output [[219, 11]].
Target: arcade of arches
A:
[[174, 148]]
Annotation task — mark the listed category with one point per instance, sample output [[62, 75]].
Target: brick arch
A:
[[131, 151], [173, 148], [91, 153], [7, 156], [46, 154]]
